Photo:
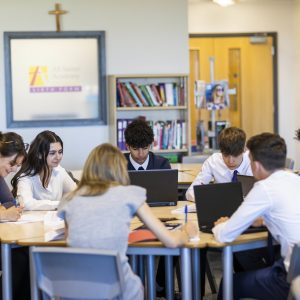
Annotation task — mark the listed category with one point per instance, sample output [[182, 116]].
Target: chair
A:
[[294, 269], [289, 163], [195, 159], [77, 273]]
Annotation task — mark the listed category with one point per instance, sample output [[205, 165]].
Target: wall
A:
[[142, 37], [281, 16], [296, 76]]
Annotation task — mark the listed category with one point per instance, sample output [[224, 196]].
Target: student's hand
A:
[[221, 220], [258, 222], [190, 229], [11, 214]]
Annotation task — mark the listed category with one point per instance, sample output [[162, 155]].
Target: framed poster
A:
[[55, 78]]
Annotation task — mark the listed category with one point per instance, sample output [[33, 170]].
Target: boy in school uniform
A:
[[224, 166], [139, 138], [275, 197]]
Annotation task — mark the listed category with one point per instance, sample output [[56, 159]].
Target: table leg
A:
[[186, 274], [169, 277], [227, 273], [151, 288], [6, 271], [33, 280], [133, 259], [196, 274]]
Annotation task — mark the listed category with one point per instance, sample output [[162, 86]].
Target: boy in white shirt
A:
[[275, 197], [221, 167]]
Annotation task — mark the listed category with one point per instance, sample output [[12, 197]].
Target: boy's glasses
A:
[[25, 145], [219, 90]]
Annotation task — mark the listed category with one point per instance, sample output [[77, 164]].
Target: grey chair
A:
[[77, 273], [294, 269]]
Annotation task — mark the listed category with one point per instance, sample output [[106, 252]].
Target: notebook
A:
[[247, 183], [218, 200], [161, 185]]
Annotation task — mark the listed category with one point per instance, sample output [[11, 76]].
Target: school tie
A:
[[234, 176], [141, 169]]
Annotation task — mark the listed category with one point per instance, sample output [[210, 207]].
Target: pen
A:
[[185, 213], [16, 202]]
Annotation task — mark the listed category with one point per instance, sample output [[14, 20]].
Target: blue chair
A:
[[77, 273]]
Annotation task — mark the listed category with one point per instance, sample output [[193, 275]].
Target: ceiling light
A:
[[224, 3]]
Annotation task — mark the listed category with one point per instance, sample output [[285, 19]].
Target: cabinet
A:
[[162, 100]]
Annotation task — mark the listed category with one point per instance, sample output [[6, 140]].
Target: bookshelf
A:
[[166, 110]]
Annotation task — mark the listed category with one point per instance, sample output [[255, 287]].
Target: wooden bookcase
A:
[[177, 113]]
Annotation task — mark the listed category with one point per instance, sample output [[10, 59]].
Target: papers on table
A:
[[28, 217], [191, 209]]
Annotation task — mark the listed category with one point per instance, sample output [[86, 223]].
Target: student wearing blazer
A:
[[12, 154], [274, 197], [139, 138]]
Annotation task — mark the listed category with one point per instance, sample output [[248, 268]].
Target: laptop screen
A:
[[216, 200], [161, 185], [247, 183]]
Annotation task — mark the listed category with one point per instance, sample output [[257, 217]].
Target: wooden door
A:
[[248, 68]]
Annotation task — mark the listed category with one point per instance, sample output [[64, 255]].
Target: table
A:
[[32, 234]]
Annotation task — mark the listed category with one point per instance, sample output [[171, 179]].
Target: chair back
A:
[[77, 273], [294, 269], [295, 289]]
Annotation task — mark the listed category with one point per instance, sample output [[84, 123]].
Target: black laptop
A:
[[218, 200], [161, 185], [247, 183]]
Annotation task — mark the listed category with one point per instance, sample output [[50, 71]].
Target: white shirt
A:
[[277, 200], [34, 196], [136, 165], [215, 169]]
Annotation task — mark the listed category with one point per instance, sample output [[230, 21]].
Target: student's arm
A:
[[254, 206], [25, 197], [170, 239], [204, 177], [11, 214]]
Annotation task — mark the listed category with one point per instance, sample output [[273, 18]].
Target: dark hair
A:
[[138, 134], [269, 149], [232, 141], [36, 161], [10, 144]]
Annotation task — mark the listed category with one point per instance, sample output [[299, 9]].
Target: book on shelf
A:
[[152, 96], [170, 100], [139, 94], [144, 91], [156, 93], [133, 94]]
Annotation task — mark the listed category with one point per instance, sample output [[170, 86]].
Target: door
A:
[[247, 64]]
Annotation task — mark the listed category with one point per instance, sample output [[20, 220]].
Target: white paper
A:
[[191, 209]]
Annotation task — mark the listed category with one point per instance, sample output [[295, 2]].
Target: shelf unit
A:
[[151, 113]]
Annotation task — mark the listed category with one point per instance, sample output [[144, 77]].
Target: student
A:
[[275, 197], [139, 138], [41, 182], [99, 211], [12, 154], [223, 167]]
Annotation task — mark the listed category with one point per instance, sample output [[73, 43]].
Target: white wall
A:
[[142, 37], [281, 16]]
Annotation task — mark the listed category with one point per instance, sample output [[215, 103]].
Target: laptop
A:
[[161, 185], [219, 200], [247, 183]]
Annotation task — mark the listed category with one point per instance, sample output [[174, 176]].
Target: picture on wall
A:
[[216, 95], [55, 78]]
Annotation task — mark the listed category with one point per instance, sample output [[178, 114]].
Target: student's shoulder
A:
[[159, 162]]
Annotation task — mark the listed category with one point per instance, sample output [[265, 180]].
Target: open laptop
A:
[[247, 183], [161, 185], [218, 200]]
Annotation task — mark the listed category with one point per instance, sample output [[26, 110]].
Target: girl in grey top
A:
[[98, 213]]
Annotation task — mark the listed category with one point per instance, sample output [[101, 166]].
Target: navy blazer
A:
[[156, 162], [6, 197]]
